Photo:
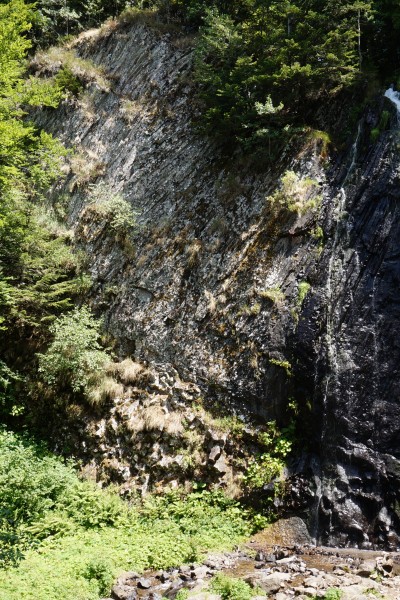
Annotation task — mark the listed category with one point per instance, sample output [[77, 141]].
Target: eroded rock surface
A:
[[247, 303]]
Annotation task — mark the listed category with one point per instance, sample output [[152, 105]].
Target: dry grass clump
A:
[[154, 418], [173, 423], [58, 57], [136, 424], [86, 168], [130, 372], [149, 17], [274, 294], [130, 109], [106, 389], [193, 253]]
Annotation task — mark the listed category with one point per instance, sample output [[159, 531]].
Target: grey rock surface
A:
[[189, 295]]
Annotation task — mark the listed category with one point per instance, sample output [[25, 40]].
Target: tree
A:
[[75, 354]]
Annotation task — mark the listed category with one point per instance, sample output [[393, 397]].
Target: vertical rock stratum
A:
[[227, 294]]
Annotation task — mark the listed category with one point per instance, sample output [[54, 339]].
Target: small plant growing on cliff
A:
[[75, 353], [284, 364], [274, 294], [122, 218], [269, 465], [304, 288], [296, 194]]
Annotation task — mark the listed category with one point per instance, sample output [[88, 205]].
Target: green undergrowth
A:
[[63, 538], [230, 588]]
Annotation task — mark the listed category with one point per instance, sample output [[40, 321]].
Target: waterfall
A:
[[334, 271], [334, 263], [393, 97]]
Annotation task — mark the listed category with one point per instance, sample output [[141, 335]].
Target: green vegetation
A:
[[296, 194], [40, 275], [274, 294], [230, 588], [121, 217], [333, 594], [261, 68], [72, 72], [304, 288], [75, 354], [264, 67], [67, 539], [249, 310], [283, 364], [268, 466], [382, 125]]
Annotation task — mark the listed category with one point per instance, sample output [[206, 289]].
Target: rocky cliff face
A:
[[358, 387], [225, 295]]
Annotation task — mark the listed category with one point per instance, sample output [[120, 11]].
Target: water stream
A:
[[395, 98], [335, 267]]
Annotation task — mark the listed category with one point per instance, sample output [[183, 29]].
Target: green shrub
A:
[[296, 194], [374, 135], [269, 465], [68, 82], [231, 589], [333, 594], [75, 354], [120, 215], [101, 572]]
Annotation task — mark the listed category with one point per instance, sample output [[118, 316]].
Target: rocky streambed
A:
[[279, 572]]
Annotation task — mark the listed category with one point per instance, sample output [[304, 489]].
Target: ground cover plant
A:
[[67, 539]]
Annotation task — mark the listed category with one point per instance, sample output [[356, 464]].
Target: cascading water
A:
[[334, 270], [393, 97]]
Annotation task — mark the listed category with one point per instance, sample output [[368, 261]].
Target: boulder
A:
[[123, 592]]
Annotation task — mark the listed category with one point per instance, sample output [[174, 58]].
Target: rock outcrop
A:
[[248, 301]]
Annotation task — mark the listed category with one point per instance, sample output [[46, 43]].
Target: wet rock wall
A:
[[190, 294]]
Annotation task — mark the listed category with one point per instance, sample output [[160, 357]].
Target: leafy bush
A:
[[296, 194], [101, 572], [230, 588], [121, 217], [68, 82], [75, 354], [269, 465]]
